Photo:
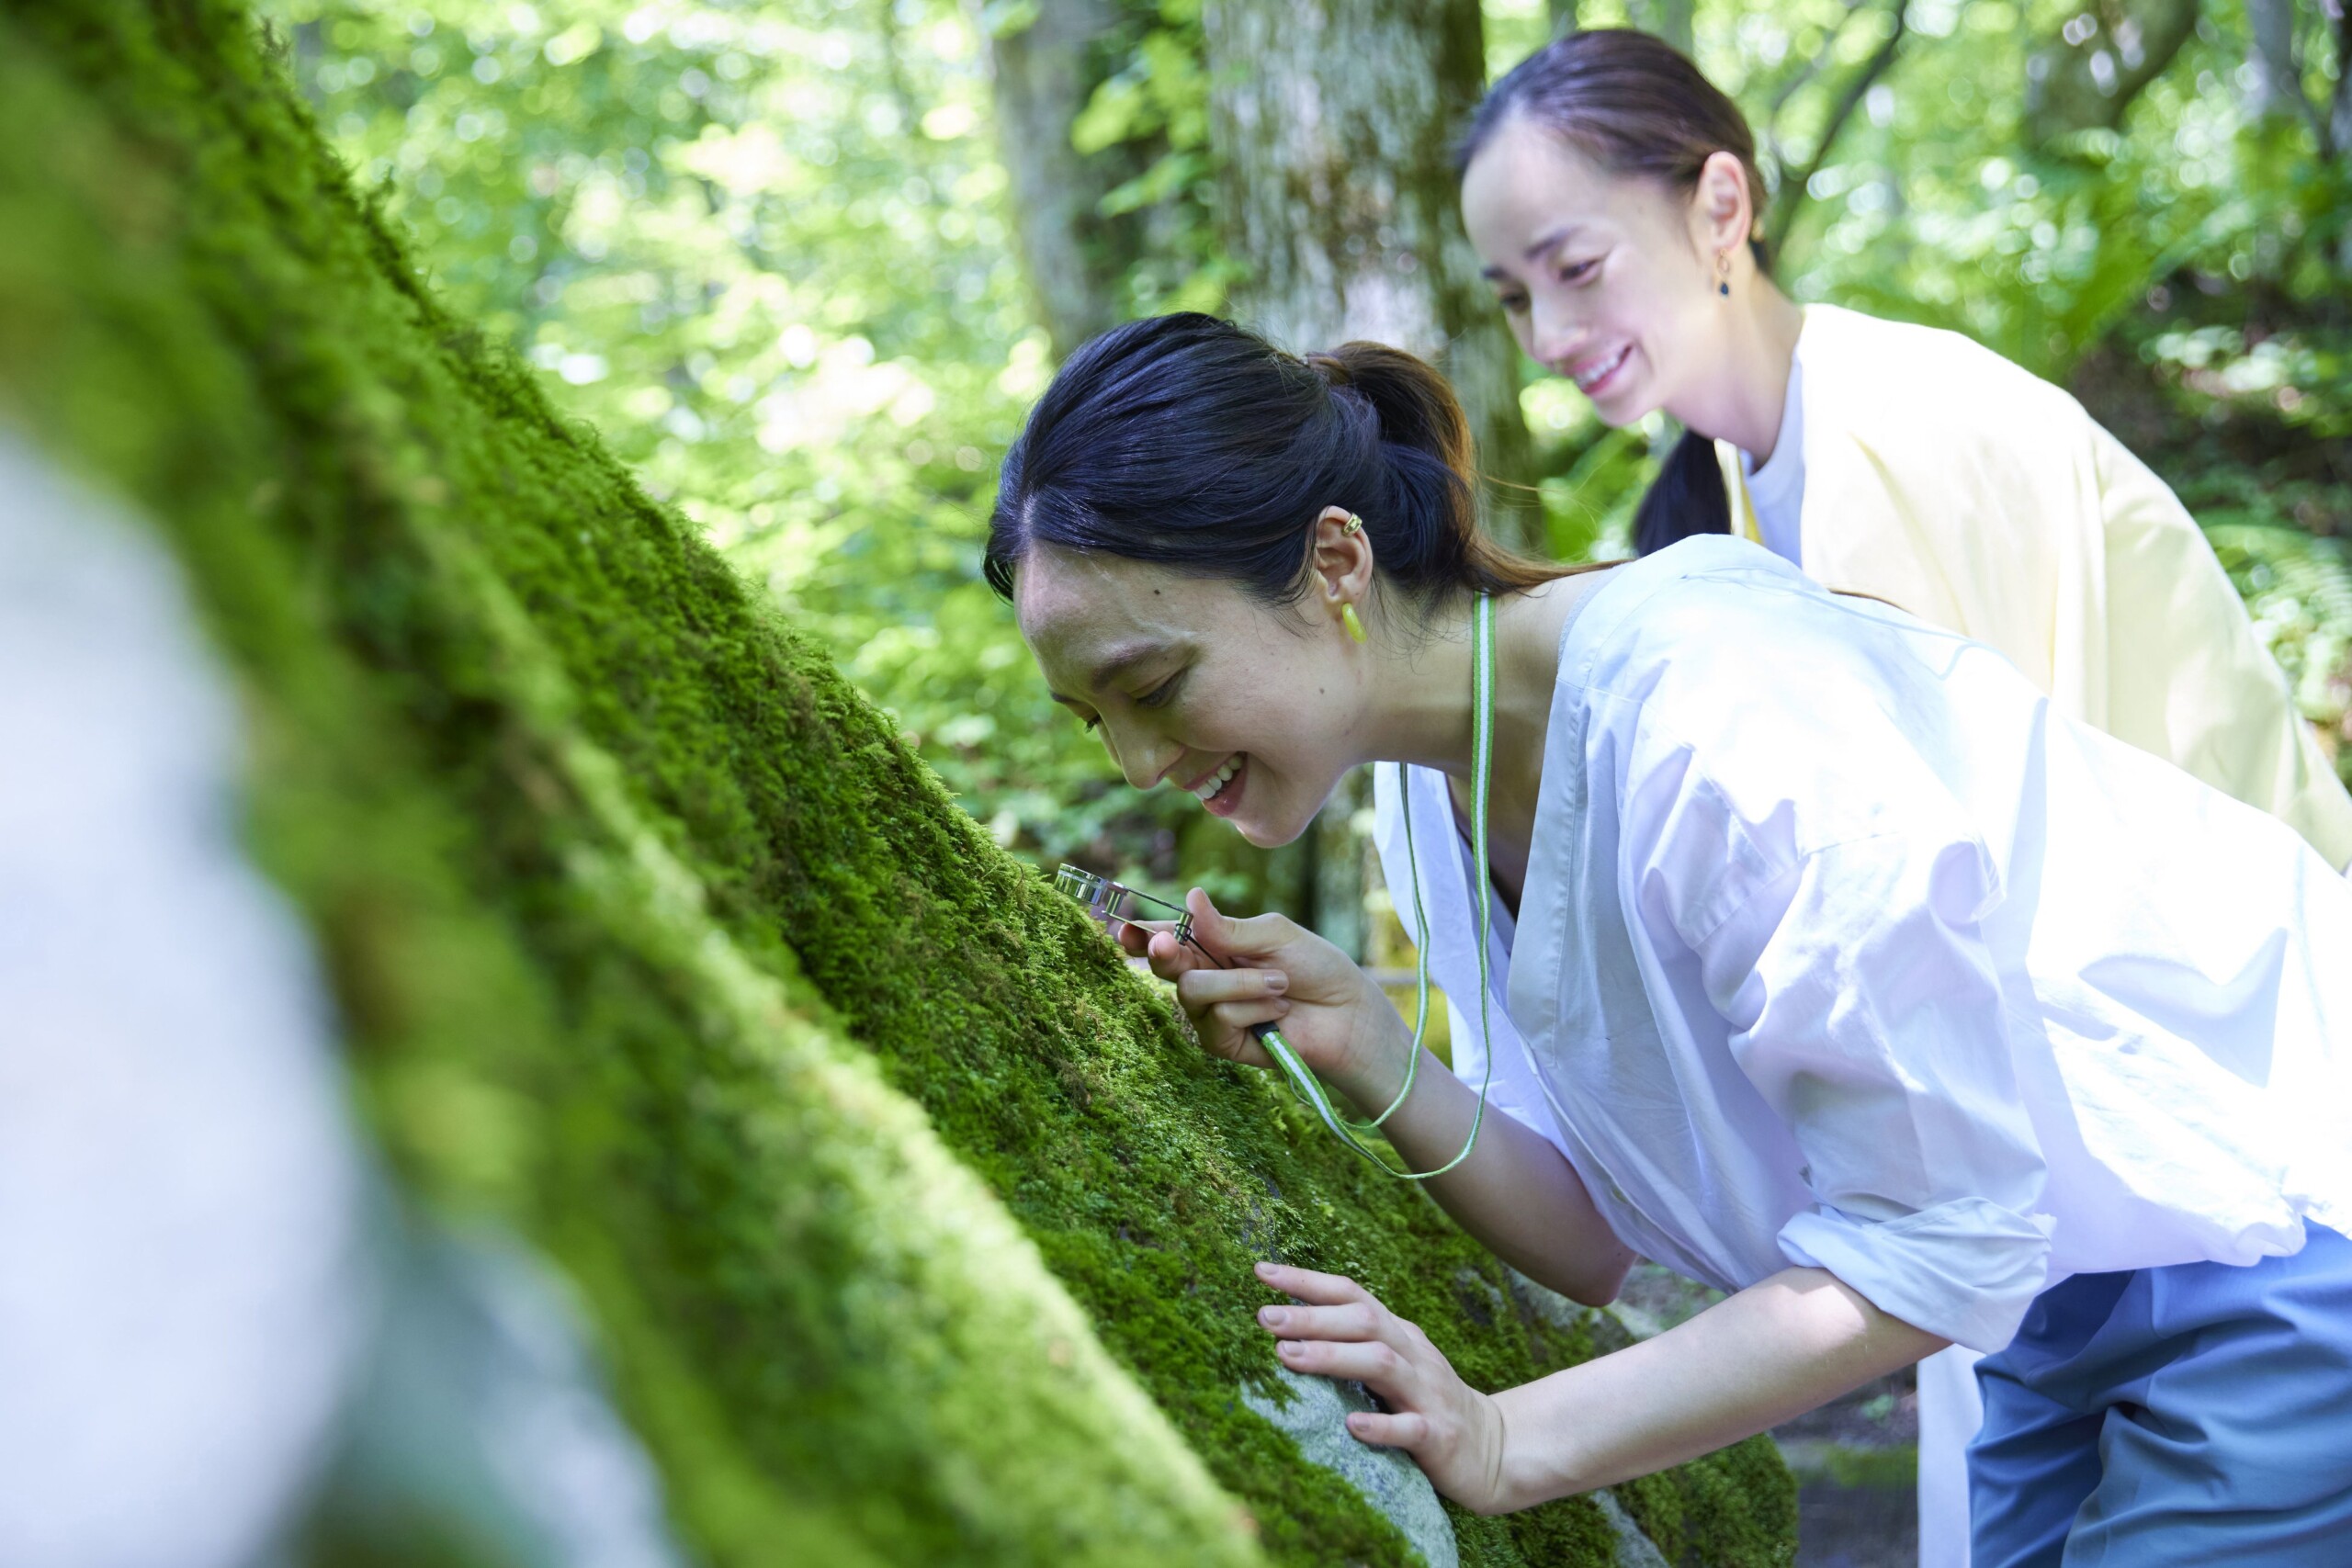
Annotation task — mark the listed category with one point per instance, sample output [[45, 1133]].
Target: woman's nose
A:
[[1553, 333], [1142, 757]]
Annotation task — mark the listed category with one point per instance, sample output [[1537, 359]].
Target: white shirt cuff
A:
[[1965, 1271]]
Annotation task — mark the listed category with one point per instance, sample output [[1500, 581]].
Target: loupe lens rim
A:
[[1101, 896], [1086, 887]]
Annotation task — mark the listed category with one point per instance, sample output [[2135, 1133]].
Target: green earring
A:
[[1348, 618]]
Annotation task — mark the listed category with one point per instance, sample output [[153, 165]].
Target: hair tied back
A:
[[1192, 442]]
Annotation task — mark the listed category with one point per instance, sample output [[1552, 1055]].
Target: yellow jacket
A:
[[1943, 478]]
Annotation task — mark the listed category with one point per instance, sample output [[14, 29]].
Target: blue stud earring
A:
[[1723, 274]]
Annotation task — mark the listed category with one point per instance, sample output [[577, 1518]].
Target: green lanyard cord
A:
[[1302, 1081]]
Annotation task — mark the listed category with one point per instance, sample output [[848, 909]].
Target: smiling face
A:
[[1607, 280], [1191, 681]]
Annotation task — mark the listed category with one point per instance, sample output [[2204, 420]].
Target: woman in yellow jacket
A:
[[1611, 191], [1610, 188]]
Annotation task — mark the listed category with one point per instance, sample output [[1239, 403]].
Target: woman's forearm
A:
[[1783, 1346], [1516, 1192]]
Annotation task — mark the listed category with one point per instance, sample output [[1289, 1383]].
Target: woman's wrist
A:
[[1541, 1461], [1385, 1063]]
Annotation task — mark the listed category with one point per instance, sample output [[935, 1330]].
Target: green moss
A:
[[651, 938]]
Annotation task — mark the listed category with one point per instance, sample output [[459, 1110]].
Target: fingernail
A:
[[1290, 1346], [1277, 983], [1273, 1317], [1281, 1009], [1265, 1270]]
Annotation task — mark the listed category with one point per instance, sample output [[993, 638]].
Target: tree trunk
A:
[[2337, 142], [1673, 21], [2085, 78], [1334, 122], [1073, 257], [2275, 87], [912, 1227]]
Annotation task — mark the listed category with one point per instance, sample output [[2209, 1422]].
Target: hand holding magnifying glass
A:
[[1265, 988]]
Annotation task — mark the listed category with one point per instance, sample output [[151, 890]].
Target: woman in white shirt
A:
[[1848, 974]]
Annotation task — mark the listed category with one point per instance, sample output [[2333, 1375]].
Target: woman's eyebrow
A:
[[1546, 240], [1536, 251], [1122, 657], [1121, 660]]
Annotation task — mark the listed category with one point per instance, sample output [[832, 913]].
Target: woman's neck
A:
[[1421, 707], [1740, 400]]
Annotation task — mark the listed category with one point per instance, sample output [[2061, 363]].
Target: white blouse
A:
[[1839, 949]]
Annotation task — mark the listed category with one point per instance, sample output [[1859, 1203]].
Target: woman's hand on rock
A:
[[1453, 1432], [1328, 1011]]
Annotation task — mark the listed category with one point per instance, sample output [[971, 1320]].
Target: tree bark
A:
[[2276, 87], [1333, 122], [1673, 21], [2085, 78], [1073, 257], [2337, 142]]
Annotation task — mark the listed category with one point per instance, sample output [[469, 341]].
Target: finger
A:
[[1315, 1290], [1356, 1321], [1232, 1045], [1376, 1366], [1405, 1429], [1136, 935], [1172, 959], [1203, 987], [1242, 1048], [1230, 937], [1240, 1017]]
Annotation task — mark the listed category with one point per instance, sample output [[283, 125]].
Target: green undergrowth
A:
[[914, 1228], [2297, 588]]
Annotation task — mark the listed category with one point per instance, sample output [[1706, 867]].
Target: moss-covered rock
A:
[[916, 1228]]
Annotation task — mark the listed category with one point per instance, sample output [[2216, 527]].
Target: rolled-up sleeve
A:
[[1867, 1009]]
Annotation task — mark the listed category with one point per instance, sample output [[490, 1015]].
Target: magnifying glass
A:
[[1114, 905]]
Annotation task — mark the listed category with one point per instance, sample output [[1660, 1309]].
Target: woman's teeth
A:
[[1592, 376], [1209, 787]]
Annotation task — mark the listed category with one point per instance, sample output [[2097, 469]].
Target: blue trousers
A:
[[2198, 1415]]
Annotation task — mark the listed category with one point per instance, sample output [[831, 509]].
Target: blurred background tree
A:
[[805, 262]]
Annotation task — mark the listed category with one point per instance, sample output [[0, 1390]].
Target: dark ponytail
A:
[[1192, 443], [1687, 497], [1638, 107]]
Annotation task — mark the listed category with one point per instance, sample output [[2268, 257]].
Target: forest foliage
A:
[[768, 249]]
